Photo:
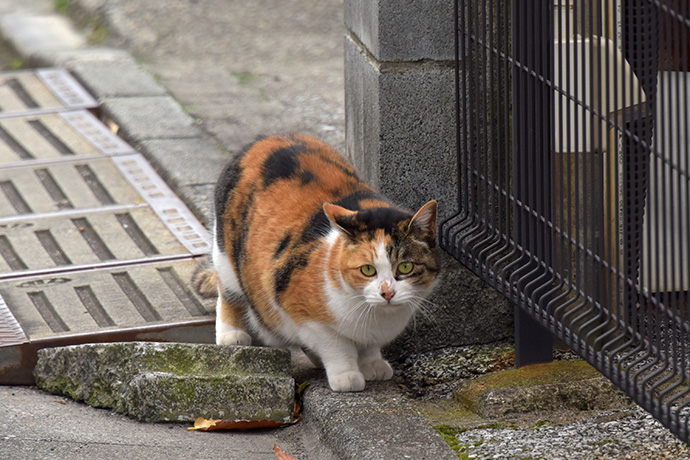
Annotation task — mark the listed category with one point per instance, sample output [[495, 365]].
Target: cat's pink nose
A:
[[388, 295]]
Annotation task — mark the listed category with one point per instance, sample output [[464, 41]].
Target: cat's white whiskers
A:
[[357, 309], [424, 307]]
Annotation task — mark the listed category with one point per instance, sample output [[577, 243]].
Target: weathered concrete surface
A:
[[38, 425], [557, 386], [377, 424], [436, 374], [168, 382]]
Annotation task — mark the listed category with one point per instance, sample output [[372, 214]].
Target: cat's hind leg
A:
[[230, 326]]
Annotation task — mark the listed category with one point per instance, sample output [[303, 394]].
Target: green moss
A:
[[536, 374], [243, 78], [604, 442], [541, 423], [449, 434], [61, 6], [541, 374], [97, 32]]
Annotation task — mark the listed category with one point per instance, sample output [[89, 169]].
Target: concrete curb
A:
[[344, 424]]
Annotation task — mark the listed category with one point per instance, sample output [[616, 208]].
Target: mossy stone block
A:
[[561, 385], [172, 382]]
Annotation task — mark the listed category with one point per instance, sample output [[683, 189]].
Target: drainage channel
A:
[[94, 246]]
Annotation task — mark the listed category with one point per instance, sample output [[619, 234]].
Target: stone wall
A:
[[400, 134]]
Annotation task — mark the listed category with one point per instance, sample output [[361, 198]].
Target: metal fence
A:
[[573, 176]]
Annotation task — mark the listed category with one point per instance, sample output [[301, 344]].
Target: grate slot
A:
[[47, 311], [14, 145], [138, 299], [93, 306], [96, 186], [15, 85], [179, 288], [97, 245], [52, 247], [53, 189], [136, 234], [52, 139], [15, 198], [10, 255]]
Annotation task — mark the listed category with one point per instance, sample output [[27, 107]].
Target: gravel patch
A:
[[623, 434]]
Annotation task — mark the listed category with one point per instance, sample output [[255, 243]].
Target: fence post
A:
[[533, 342]]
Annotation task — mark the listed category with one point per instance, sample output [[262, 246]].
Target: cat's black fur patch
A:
[[282, 246], [282, 164], [368, 221], [227, 181], [318, 226], [352, 201], [238, 250], [283, 274], [307, 177]]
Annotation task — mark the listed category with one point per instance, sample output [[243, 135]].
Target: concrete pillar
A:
[[400, 135], [399, 97]]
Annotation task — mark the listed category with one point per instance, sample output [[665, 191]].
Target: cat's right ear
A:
[[343, 218]]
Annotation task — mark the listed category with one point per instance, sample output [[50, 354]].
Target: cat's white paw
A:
[[347, 381], [233, 337], [377, 369]]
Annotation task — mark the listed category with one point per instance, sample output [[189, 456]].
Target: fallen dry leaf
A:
[[280, 453], [203, 424]]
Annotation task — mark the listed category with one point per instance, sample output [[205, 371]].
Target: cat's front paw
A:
[[233, 337], [347, 381], [377, 369]]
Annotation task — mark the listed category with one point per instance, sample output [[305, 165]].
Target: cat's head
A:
[[387, 255]]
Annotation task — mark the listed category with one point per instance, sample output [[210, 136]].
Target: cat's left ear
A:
[[423, 223], [341, 217]]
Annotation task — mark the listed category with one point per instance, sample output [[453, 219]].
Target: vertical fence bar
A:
[[532, 128]]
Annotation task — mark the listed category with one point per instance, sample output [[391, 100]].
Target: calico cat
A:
[[307, 255]]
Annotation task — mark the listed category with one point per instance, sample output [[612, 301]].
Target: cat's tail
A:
[[205, 280]]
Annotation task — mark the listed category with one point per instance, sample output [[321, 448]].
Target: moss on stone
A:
[[172, 382], [527, 376], [553, 386]]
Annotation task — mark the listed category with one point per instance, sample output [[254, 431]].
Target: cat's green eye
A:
[[368, 270], [405, 268]]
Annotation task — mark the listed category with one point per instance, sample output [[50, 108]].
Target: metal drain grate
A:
[[56, 137], [45, 189], [81, 301], [92, 239], [40, 91], [94, 246]]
